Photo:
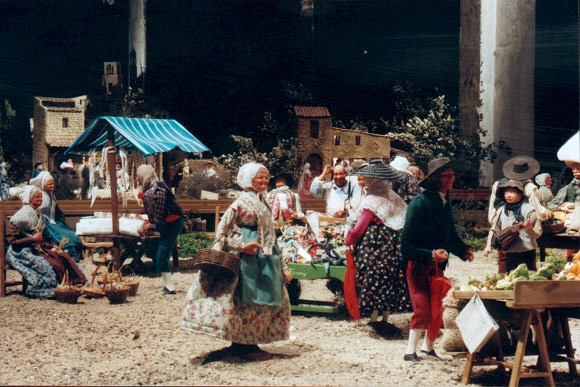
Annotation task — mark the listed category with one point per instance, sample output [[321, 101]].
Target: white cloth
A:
[[400, 163], [391, 210], [247, 173]]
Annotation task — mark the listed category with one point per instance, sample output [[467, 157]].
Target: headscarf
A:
[[541, 179], [400, 163], [41, 180], [147, 175], [247, 173], [48, 206], [28, 219]]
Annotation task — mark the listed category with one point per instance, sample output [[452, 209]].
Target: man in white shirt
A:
[[338, 192]]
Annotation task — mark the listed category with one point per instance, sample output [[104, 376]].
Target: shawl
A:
[[255, 202], [27, 219], [390, 209]]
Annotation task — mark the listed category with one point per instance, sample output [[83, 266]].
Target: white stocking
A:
[[168, 280], [414, 337], [427, 345]]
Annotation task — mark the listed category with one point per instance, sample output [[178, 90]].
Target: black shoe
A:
[[411, 357], [430, 353], [167, 291]]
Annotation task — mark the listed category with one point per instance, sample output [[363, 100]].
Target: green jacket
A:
[[428, 226]]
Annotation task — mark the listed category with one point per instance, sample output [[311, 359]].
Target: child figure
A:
[[518, 212]]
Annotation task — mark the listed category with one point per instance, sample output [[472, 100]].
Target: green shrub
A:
[[189, 244]]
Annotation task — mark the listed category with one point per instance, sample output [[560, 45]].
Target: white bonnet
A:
[[247, 173], [40, 180], [541, 179], [28, 192], [65, 165], [400, 163]]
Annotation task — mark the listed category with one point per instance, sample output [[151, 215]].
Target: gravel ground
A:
[[44, 342]]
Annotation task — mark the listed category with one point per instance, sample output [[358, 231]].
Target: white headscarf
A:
[[147, 175], [247, 173], [41, 180], [400, 163], [541, 179], [28, 220]]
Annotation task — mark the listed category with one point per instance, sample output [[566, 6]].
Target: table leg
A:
[[468, 369], [542, 254], [521, 350], [568, 344], [544, 357]]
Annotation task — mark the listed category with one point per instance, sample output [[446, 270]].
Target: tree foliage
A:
[[14, 146]]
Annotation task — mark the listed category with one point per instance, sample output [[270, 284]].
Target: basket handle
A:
[[95, 274], [121, 271]]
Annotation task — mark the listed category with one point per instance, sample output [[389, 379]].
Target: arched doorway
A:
[[315, 161]]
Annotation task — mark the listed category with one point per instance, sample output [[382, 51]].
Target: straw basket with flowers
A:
[[92, 290], [130, 280], [115, 291], [66, 292]]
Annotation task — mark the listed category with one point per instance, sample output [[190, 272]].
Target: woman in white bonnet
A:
[[544, 182], [56, 227], [253, 308]]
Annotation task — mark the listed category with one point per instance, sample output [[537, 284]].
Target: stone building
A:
[[56, 125], [321, 144]]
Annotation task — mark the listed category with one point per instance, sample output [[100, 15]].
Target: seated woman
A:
[[41, 267], [56, 228]]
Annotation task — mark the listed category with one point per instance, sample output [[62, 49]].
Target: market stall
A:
[[543, 300], [123, 135]]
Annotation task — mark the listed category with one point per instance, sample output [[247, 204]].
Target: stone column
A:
[[505, 101]]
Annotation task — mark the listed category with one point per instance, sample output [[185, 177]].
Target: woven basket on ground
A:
[[66, 292], [92, 290], [552, 227], [130, 280], [116, 291], [217, 262]]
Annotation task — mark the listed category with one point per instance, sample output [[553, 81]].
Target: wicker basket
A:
[[66, 292], [130, 281], [217, 262], [551, 227], [92, 290], [116, 291]]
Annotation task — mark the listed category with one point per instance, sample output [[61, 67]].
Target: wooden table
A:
[[303, 271], [557, 241], [135, 247], [531, 298]]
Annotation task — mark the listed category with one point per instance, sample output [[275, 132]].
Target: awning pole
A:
[[114, 201]]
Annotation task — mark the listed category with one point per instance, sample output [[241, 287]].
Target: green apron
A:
[[260, 275]]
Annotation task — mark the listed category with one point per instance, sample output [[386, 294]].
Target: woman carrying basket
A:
[[252, 308]]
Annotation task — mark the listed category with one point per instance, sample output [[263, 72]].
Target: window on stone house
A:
[[65, 122], [357, 140], [336, 139], [314, 129]]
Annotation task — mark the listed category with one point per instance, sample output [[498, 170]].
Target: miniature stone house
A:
[[320, 143], [57, 123], [112, 77]]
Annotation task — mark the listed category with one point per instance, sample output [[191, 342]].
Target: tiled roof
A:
[[59, 143], [359, 131], [311, 111], [63, 137]]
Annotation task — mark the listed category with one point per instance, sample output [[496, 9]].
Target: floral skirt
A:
[[380, 272], [213, 307], [37, 271]]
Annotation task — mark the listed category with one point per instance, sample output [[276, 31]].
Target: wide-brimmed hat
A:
[[377, 169], [440, 164], [521, 168], [509, 184]]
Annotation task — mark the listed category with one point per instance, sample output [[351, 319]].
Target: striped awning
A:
[[148, 135]]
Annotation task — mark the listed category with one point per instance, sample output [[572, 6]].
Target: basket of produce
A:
[[217, 262], [552, 226], [130, 280], [116, 291], [92, 290], [66, 292]]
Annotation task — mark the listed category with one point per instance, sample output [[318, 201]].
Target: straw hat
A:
[[377, 169], [521, 168]]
